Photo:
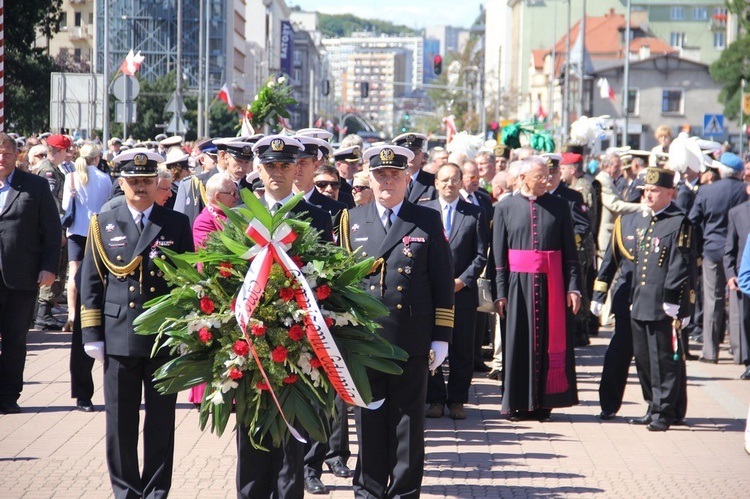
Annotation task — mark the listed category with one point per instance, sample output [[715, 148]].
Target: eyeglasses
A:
[[450, 180], [356, 189], [472, 177], [322, 184], [164, 188], [233, 194]]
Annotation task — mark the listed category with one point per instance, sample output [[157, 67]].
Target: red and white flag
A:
[[450, 128], [284, 122], [540, 113], [605, 91], [224, 95], [131, 63]]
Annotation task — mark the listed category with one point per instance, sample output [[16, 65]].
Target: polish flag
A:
[[224, 95], [283, 122], [605, 91], [541, 114], [450, 128], [131, 63]]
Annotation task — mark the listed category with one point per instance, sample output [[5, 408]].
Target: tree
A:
[[729, 71], [27, 69]]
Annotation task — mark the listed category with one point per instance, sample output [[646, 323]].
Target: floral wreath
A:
[[278, 350], [270, 104]]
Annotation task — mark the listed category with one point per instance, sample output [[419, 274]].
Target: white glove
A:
[[596, 308], [685, 322], [441, 352], [95, 350], [671, 310]]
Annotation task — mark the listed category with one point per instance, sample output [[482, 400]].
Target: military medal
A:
[[355, 227], [109, 227], [407, 270], [407, 250], [655, 242]]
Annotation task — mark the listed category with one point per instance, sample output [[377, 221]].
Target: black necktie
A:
[[139, 222], [388, 223], [276, 207]]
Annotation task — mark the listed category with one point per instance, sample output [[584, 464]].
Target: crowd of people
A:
[[521, 251]]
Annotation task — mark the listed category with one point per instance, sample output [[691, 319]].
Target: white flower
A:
[[217, 398], [256, 97], [288, 321], [198, 290], [304, 362], [228, 385], [299, 314], [271, 84], [282, 79], [344, 319]]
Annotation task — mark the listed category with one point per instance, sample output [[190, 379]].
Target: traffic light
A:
[[364, 87], [437, 64]]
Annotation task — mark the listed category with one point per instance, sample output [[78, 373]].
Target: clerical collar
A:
[[381, 209], [270, 201], [526, 195], [146, 213]]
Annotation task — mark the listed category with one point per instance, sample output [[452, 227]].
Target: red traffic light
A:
[[437, 64]]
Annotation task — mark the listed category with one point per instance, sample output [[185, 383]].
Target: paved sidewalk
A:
[[52, 451]]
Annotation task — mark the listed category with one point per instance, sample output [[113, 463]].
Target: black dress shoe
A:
[[482, 368], [84, 405], [708, 361], [313, 485], [746, 374], [519, 416], [10, 407], [680, 422], [48, 324], [607, 415], [690, 356], [657, 425], [495, 374], [339, 469], [641, 421]]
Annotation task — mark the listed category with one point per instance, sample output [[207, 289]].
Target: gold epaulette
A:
[[600, 286], [617, 239], [344, 231], [101, 255], [202, 190], [90, 318], [444, 317], [685, 236]]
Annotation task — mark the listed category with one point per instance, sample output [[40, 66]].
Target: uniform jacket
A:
[[612, 206], [422, 189], [346, 195], [710, 212], [468, 241], [333, 207], [662, 261], [592, 199], [30, 232], [110, 302], [578, 209], [319, 219], [191, 194], [738, 228], [56, 179], [413, 274]]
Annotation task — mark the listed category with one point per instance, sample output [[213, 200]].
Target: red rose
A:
[[259, 329], [322, 292], [241, 348], [279, 354], [286, 294], [296, 332], [224, 269], [329, 321], [315, 363], [262, 386], [290, 379], [235, 373], [205, 335], [207, 306]]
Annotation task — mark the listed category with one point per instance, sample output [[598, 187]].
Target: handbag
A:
[[70, 213], [484, 290]]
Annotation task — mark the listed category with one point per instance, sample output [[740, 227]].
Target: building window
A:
[[77, 55], [671, 101], [297, 76], [677, 39], [77, 19], [720, 40], [677, 13], [63, 20], [633, 101], [700, 14]]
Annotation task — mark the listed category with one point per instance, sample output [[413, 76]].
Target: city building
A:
[[72, 47]]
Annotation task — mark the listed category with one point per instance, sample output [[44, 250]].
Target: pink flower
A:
[[296, 332], [241, 348], [262, 385]]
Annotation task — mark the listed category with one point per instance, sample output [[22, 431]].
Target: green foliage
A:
[[729, 71], [343, 25], [221, 121], [272, 101]]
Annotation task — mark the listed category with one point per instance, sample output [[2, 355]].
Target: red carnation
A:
[[234, 302], [207, 306], [296, 332], [298, 261], [262, 385], [241, 348], [235, 373], [286, 294], [205, 335], [279, 354], [329, 321], [322, 292], [225, 269], [290, 379], [315, 363], [259, 329]]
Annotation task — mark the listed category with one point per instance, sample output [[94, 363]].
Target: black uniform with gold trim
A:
[[413, 277], [118, 276], [662, 275]]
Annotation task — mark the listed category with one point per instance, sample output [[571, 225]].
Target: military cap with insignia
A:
[[138, 163], [388, 156], [627, 162], [175, 158], [553, 160], [208, 147], [174, 140], [238, 149], [312, 146], [278, 148], [317, 133], [349, 154], [660, 177], [502, 151], [410, 140]]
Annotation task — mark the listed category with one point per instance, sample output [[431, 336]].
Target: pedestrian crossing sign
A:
[[713, 124]]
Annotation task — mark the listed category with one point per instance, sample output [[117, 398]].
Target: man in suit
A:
[[236, 158], [413, 277], [738, 229], [191, 193], [422, 184], [304, 180], [348, 161], [710, 212], [118, 276], [30, 239], [279, 471], [467, 230]]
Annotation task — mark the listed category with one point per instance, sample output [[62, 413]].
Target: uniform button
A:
[[643, 276], [400, 270], [119, 258], [643, 283], [372, 288], [153, 290], [132, 304], [164, 257], [399, 306], [153, 273], [399, 288], [364, 253], [132, 273], [131, 288], [647, 252]]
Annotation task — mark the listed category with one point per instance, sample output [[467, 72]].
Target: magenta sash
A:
[[550, 264]]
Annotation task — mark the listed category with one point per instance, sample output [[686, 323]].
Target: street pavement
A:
[[53, 451]]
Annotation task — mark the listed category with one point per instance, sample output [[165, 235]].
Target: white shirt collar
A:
[[453, 204], [146, 213], [381, 209], [271, 201]]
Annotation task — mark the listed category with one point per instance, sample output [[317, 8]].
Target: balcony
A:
[[78, 32]]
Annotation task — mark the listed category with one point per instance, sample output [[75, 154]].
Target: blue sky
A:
[[414, 13]]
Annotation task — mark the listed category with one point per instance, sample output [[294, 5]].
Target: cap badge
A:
[[277, 145], [140, 160], [356, 152], [387, 155], [652, 177], [410, 138], [248, 150]]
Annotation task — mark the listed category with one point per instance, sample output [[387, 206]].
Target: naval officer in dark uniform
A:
[[191, 193], [118, 276], [421, 187], [413, 277], [661, 298]]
